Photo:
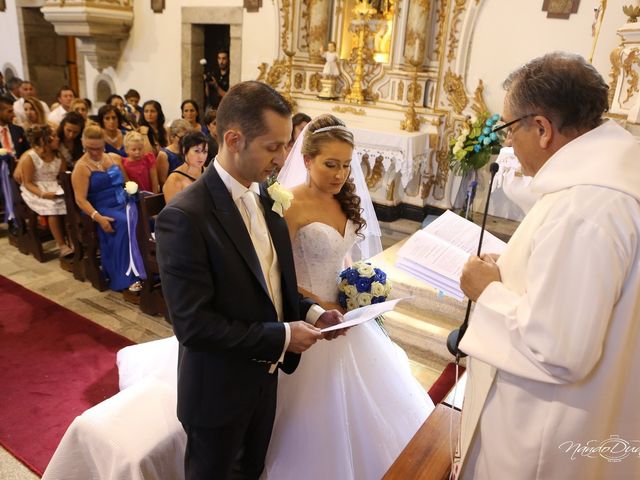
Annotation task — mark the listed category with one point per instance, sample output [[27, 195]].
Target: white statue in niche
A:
[[331, 65]]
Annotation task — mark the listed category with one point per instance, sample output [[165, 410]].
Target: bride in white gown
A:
[[352, 404]]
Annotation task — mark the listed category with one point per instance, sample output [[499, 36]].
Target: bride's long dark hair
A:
[[311, 146]]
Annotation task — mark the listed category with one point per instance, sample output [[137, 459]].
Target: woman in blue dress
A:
[[98, 184], [169, 158]]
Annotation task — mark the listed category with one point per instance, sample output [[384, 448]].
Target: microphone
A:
[[453, 340]]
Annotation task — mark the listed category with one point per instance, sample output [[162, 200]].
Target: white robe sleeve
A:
[[553, 332]]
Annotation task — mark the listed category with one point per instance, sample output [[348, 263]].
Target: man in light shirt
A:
[[65, 98], [27, 89]]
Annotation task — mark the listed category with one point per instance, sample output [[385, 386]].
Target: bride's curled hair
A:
[[314, 138]]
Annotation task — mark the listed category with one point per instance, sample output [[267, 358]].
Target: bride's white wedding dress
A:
[[351, 405]]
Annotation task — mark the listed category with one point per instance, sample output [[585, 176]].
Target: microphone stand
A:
[[454, 338]]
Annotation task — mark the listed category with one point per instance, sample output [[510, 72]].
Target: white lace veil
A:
[[294, 173]]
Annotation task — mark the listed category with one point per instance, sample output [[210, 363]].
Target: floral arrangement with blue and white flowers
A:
[[473, 147], [362, 284]]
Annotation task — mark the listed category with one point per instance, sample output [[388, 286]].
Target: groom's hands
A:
[[303, 335], [329, 319]]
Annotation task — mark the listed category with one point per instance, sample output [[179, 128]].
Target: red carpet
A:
[[444, 383], [54, 364]]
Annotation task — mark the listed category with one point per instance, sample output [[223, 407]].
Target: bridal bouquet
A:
[[361, 285]]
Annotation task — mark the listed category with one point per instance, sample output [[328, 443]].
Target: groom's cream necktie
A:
[[263, 245]]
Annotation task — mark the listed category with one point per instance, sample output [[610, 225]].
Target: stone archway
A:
[[103, 87]]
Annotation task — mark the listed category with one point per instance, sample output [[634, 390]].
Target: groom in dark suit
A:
[[229, 281]]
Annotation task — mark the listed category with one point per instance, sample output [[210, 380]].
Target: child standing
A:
[[140, 167]]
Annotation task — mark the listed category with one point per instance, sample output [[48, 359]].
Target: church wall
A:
[[151, 58], [10, 50], [508, 33]]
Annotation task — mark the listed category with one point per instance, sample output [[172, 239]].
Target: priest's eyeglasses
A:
[[512, 122]]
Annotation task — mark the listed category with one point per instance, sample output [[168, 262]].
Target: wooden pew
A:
[[27, 232], [84, 237], [151, 298]]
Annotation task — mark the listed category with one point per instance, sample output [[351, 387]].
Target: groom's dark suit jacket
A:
[[218, 303]]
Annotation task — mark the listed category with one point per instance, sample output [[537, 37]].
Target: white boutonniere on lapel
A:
[[281, 198]]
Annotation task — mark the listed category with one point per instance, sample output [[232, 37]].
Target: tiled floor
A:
[[105, 308]]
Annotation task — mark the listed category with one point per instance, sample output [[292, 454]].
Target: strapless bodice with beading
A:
[[319, 252]]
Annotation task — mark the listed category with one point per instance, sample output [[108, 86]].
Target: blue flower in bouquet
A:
[[476, 142], [361, 285]]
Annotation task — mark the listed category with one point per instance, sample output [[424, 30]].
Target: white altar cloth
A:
[[403, 151], [133, 435]]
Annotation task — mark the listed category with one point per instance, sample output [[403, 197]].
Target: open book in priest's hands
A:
[[437, 253]]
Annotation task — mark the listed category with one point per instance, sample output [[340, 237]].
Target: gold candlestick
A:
[[364, 11], [411, 122]]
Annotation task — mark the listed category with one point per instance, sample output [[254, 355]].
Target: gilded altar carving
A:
[[442, 13], [298, 81], [458, 9], [454, 88], [631, 76], [400, 91], [354, 110], [314, 82], [616, 65], [418, 92], [479, 106], [272, 76], [632, 12], [285, 10], [376, 173]]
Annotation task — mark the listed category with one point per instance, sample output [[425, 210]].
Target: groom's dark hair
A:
[[243, 107]]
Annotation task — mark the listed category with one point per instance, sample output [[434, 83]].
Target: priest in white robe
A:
[[554, 341]]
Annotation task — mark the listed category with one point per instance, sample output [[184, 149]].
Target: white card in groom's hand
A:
[[364, 314]]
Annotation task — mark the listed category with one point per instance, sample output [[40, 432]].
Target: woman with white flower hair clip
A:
[[354, 399]]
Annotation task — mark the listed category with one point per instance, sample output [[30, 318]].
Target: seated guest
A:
[[126, 123], [65, 97], [191, 113], [152, 126], [211, 134], [12, 137], [140, 167], [194, 151], [109, 121], [28, 89], [97, 180], [299, 121], [33, 113], [80, 106], [70, 134], [40, 167], [133, 107], [13, 89], [169, 158]]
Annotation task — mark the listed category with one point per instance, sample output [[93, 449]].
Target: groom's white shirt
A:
[[236, 189]]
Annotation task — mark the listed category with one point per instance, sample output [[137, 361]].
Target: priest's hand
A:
[[328, 319], [477, 273]]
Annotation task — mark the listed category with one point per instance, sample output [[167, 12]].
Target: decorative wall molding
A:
[[560, 8]]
